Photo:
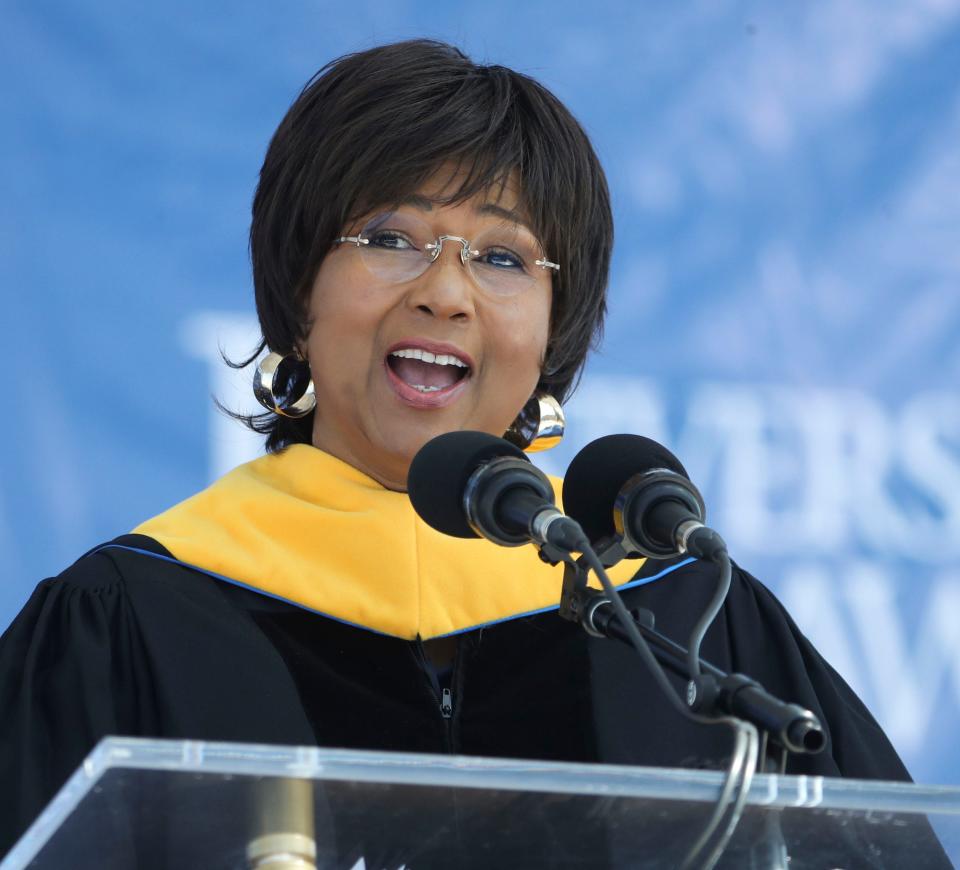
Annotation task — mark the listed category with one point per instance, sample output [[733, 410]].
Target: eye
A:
[[390, 240], [501, 258]]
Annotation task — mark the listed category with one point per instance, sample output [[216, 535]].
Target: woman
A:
[[430, 246]]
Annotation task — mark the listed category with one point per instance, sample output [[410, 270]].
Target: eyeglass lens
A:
[[501, 259]]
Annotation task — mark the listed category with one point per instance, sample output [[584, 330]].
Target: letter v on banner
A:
[[910, 681], [856, 620]]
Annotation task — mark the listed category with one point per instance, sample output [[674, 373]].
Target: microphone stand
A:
[[714, 692]]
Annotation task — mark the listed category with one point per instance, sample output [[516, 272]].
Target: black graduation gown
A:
[[122, 643]]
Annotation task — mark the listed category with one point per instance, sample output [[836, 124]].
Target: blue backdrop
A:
[[785, 291]]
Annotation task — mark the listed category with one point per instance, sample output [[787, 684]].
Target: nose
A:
[[445, 290]]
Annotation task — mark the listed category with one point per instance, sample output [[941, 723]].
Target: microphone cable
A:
[[709, 614], [746, 750]]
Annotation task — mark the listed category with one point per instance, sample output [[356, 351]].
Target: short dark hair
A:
[[369, 129]]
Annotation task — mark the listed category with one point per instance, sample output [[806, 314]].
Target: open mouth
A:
[[427, 372]]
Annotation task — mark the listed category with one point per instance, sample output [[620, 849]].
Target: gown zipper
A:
[[446, 704], [444, 696]]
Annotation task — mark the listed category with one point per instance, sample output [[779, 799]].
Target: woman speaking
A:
[[430, 246]]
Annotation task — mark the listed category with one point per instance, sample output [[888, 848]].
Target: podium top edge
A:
[[458, 771]]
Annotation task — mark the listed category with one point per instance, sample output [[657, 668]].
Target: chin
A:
[[409, 443], [405, 444]]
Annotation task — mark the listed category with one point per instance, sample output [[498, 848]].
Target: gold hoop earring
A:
[[282, 384], [539, 426]]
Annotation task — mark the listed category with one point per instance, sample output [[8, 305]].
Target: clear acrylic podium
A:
[[159, 803]]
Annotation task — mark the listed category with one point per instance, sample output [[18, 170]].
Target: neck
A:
[[390, 475]]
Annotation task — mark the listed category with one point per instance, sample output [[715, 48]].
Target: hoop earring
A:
[[539, 426], [282, 384]]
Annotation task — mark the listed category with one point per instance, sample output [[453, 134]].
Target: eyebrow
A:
[[419, 201]]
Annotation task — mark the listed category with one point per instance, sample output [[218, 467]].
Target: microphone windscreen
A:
[[597, 473], [439, 473]]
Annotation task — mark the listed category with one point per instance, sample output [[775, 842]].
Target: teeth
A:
[[422, 389], [440, 359]]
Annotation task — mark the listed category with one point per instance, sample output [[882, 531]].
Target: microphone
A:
[[635, 490], [473, 484]]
